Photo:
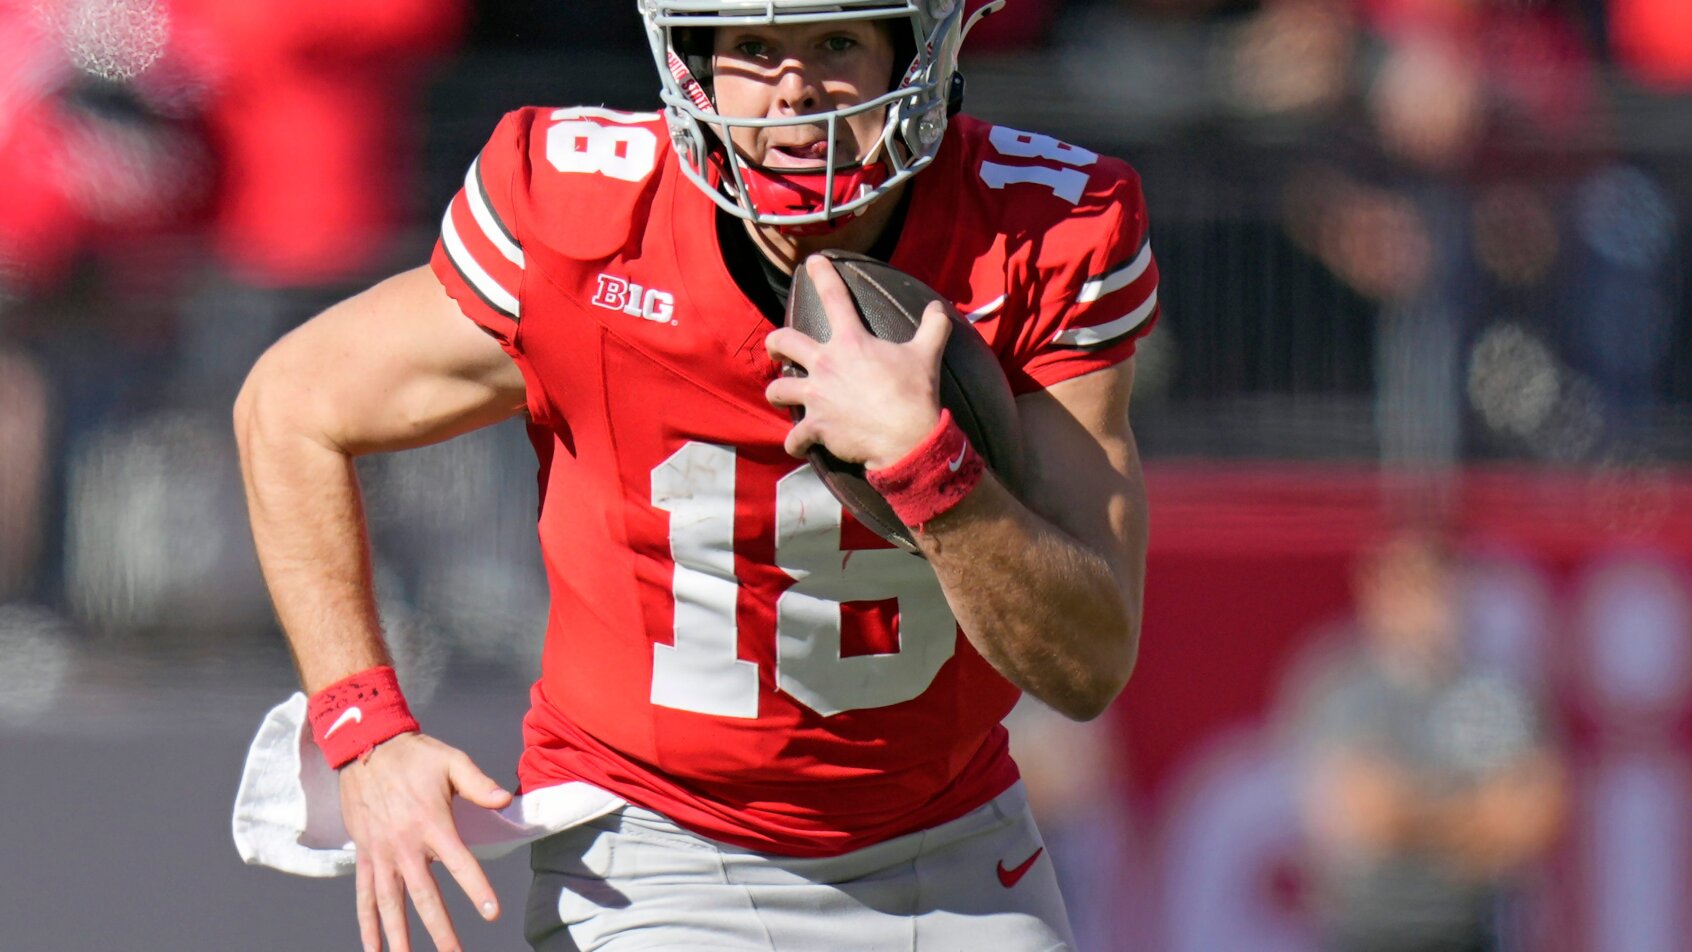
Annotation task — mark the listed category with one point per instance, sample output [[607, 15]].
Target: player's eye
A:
[[752, 49], [839, 43]]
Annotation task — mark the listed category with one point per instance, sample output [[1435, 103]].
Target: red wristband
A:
[[933, 477], [350, 717]]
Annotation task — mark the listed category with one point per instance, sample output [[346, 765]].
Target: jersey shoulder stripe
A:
[[1095, 335], [492, 293], [1117, 278], [1125, 297], [480, 258], [481, 208]]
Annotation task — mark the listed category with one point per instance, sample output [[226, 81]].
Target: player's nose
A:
[[796, 92]]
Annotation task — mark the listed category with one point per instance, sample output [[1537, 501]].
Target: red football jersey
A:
[[724, 646]]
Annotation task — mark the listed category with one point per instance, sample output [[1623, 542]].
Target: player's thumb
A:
[[935, 328], [477, 787]]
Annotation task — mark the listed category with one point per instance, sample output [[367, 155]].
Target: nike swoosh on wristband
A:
[[350, 714], [954, 464], [1010, 877]]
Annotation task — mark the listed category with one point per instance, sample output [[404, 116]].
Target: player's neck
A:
[[860, 234]]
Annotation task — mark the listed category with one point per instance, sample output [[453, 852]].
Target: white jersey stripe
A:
[[985, 309], [490, 224], [1109, 330], [1116, 280], [480, 281]]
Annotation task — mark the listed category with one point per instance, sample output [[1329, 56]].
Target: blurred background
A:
[[1417, 666]]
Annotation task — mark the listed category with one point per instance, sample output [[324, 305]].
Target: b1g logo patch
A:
[[621, 294]]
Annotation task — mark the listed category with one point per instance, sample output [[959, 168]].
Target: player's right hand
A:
[[397, 803], [868, 400]]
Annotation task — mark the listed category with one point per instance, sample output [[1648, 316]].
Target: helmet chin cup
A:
[[801, 191], [913, 120]]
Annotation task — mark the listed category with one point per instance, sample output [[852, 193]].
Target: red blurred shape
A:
[[1653, 40], [313, 110]]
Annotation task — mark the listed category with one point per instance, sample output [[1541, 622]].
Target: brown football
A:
[[972, 385]]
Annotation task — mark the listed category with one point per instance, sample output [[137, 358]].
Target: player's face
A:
[[779, 72]]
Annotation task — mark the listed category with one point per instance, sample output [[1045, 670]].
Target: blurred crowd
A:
[[187, 179], [1461, 219]]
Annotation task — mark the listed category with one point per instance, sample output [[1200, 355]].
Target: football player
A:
[[800, 723]]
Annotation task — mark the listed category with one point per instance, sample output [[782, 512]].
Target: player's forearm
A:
[[309, 529], [1042, 607]]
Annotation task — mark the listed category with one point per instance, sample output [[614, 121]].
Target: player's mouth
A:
[[811, 155]]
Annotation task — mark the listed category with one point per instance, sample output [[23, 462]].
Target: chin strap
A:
[[800, 192]]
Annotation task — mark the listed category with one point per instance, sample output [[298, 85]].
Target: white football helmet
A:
[[802, 201]]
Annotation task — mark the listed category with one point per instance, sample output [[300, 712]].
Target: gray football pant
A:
[[632, 880]]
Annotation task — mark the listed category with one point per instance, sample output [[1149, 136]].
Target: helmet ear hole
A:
[[696, 45], [693, 40], [904, 54]]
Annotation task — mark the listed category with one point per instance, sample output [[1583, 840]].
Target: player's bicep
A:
[[394, 367], [1083, 468]]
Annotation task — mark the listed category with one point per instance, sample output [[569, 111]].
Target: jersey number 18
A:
[[702, 671]]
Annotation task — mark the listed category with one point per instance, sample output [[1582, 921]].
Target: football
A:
[[972, 385]]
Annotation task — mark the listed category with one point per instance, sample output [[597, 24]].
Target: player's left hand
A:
[[867, 400]]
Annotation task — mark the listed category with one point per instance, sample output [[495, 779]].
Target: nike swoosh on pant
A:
[[1010, 877]]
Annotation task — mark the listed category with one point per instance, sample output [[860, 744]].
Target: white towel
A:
[[288, 810]]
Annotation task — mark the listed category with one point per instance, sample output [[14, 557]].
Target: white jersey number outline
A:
[[1065, 179], [701, 670]]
